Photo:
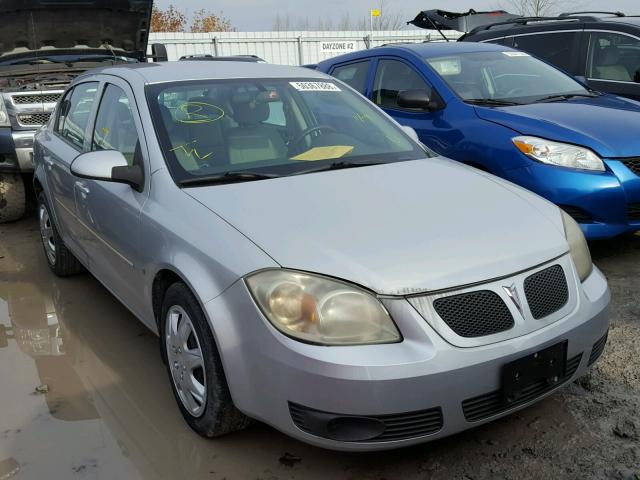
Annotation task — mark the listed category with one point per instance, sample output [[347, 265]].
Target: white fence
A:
[[287, 48]]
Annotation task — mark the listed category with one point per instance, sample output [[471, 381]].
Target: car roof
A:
[[184, 70], [422, 50], [535, 24], [631, 20], [437, 49]]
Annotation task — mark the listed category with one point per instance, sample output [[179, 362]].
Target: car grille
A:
[[597, 349], [632, 164], [633, 211], [33, 119], [546, 291], [474, 314], [577, 214], [399, 426], [489, 404], [37, 98]]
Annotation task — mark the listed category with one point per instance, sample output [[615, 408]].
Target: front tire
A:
[[13, 198], [60, 260], [194, 366]]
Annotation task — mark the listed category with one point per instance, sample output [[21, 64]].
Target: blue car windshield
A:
[[272, 127], [508, 76]]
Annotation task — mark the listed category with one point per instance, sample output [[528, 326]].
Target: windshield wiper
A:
[[564, 96], [227, 177], [339, 165], [491, 101]]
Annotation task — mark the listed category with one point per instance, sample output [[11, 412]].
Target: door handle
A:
[[48, 161], [84, 190]]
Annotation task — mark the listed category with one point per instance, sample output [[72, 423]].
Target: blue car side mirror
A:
[[419, 99]]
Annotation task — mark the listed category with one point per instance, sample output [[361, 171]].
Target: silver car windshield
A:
[[253, 129], [509, 76]]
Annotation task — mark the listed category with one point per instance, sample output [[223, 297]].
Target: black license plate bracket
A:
[[546, 366]]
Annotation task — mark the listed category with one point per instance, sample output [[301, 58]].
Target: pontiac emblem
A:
[[512, 293]]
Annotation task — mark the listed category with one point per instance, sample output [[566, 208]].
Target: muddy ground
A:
[[83, 394]]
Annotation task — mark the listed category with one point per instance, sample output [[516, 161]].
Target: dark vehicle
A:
[[601, 47], [229, 58], [43, 46]]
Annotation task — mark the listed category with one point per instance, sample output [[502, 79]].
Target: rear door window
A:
[[353, 74], [74, 113], [558, 48], [614, 57]]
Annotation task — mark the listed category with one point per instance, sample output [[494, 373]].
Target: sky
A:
[[258, 15]]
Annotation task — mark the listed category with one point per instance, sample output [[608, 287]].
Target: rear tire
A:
[[12, 197], [60, 260], [194, 366]]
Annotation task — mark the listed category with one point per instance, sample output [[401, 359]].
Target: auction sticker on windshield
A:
[[516, 54], [315, 86]]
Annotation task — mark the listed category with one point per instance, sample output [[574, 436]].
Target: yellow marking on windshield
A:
[[192, 151], [193, 111], [324, 153]]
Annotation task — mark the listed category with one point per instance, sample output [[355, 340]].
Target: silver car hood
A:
[[398, 228]]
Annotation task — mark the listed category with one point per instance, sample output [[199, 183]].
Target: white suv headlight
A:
[[559, 154], [321, 310], [578, 247]]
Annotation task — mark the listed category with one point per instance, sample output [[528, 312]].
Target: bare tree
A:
[[539, 8], [390, 19]]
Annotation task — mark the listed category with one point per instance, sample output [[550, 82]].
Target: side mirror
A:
[[411, 132], [159, 52], [108, 166], [418, 99]]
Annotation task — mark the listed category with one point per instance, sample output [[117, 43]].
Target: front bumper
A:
[[605, 204], [424, 376], [16, 150]]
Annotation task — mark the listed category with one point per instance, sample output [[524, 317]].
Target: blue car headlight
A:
[[321, 310], [558, 154]]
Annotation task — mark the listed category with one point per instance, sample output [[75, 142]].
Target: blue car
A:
[[510, 114]]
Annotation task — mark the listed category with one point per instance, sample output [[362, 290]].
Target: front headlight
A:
[[320, 310], [559, 154], [578, 247], [4, 117]]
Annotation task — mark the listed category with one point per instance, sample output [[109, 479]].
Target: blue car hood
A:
[[608, 125]]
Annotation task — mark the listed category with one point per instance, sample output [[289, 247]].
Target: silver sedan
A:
[[305, 261]]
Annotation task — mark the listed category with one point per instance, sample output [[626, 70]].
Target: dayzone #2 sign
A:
[[338, 47]]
